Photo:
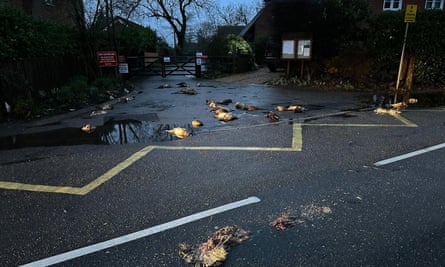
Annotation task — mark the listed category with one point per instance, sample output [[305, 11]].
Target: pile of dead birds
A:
[[181, 132], [213, 252], [185, 89], [104, 108], [274, 117], [391, 109], [221, 113]]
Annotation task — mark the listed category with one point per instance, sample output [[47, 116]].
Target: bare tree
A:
[[239, 14], [93, 17], [176, 13]]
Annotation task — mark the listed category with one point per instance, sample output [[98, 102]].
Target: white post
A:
[[401, 63]]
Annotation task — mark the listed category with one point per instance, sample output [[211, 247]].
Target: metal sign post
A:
[[410, 17]]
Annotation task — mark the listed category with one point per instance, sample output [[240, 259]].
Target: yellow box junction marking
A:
[[296, 146], [405, 123], [297, 143]]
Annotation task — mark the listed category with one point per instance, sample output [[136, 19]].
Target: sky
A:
[[165, 32]]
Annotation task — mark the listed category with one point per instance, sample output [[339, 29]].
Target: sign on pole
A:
[[410, 17], [410, 13], [107, 58]]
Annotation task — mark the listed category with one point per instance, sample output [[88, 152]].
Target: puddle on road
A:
[[113, 132]]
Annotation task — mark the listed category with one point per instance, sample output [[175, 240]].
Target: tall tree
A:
[[234, 14], [176, 13]]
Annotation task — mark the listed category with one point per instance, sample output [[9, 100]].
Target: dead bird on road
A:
[[182, 84], [400, 105], [279, 108], [240, 105], [252, 108], [179, 132], [295, 108], [196, 123], [218, 110], [106, 107], [272, 116], [225, 116], [210, 102], [188, 91], [383, 111], [97, 113], [166, 85], [204, 85], [88, 128]]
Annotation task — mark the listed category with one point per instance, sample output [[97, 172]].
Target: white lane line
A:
[[140, 234], [409, 155]]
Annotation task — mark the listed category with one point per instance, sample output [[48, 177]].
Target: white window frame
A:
[[49, 2], [433, 4], [391, 3]]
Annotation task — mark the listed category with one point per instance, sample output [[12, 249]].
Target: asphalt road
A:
[[92, 197]]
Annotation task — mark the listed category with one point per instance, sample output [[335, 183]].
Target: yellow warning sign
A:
[[410, 13]]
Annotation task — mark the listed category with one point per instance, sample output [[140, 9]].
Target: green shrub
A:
[[426, 41], [75, 93], [22, 36], [25, 108]]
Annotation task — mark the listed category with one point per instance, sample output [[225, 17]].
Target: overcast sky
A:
[[163, 30]]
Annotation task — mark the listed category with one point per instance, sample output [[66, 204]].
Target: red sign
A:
[[107, 58]]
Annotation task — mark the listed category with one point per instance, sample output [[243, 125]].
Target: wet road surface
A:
[[324, 157]]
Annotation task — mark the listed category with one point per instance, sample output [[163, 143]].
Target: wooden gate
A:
[[152, 64]]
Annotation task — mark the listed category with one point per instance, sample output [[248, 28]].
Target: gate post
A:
[[163, 68], [198, 63]]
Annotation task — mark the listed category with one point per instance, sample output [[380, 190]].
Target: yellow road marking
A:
[[297, 137], [297, 143], [40, 188], [296, 146], [354, 125], [405, 121], [116, 170]]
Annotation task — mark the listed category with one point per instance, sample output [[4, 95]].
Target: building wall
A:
[[377, 5]]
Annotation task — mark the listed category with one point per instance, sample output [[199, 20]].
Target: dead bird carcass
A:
[[272, 116], [225, 116], [187, 91], [214, 251], [179, 132]]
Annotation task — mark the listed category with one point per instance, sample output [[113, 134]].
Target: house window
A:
[[434, 4], [49, 2], [392, 4]]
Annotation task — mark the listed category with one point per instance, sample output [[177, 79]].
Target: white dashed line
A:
[[140, 234], [409, 155]]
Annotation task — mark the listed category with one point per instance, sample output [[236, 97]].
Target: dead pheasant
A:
[[179, 132]]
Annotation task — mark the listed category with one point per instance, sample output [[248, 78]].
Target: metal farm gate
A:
[[152, 64]]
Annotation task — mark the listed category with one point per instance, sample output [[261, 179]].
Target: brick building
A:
[[378, 6]]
